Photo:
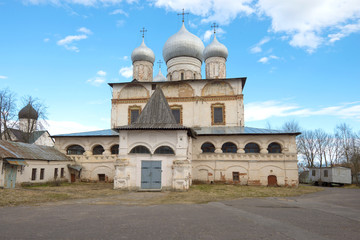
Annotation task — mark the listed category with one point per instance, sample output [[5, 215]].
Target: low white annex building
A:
[[169, 132]]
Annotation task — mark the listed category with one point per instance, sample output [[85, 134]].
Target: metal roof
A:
[[98, 133], [16, 150], [236, 130]]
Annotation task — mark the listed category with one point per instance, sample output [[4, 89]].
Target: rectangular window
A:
[[42, 173], [55, 173], [134, 113], [218, 114], [236, 176], [101, 177], [62, 173], [177, 112], [33, 174], [326, 174], [313, 173]]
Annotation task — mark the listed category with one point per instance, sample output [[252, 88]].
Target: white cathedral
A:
[[170, 132]]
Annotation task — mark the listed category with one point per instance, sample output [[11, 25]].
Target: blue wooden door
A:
[[10, 176], [150, 174]]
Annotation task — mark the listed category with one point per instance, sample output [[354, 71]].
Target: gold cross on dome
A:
[[214, 26], [143, 30], [183, 14]]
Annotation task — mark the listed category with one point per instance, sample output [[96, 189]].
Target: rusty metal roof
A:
[[17, 150]]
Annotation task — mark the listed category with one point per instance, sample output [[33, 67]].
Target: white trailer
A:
[[330, 175]]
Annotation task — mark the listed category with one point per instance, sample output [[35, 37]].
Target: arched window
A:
[[252, 148], [98, 150], [75, 150], [274, 148], [208, 148], [115, 149], [229, 147], [164, 150], [140, 149]]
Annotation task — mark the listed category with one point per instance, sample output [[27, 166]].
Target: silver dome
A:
[[143, 53], [183, 43], [159, 77], [215, 49]]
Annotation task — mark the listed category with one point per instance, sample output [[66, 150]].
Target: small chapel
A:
[[168, 132]]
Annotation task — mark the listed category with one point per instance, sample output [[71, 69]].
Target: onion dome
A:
[[215, 49], [159, 77], [183, 43], [143, 53], [28, 112]]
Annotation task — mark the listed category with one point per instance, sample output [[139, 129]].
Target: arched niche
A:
[[217, 88], [178, 90], [132, 91]]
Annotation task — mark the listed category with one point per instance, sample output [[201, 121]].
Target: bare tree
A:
[[307, 147], [32, 124], [7, 113], [321, 143], [291, 126], [333, 150], [344, 134]]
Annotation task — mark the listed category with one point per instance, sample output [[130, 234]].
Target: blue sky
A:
[[301, 57]]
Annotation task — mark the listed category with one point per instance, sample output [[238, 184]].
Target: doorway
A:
[[272, 181], [151, 174]]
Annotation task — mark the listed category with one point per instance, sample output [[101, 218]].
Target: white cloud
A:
[[209, 33], [69, 40], [62, 127], [344, 31], [264, 110], [220, 11], [98, 80], [3, 77], [89, 3], [266, 59], [126, 72], [85, 30], [46, 39], [308, 21], [257, 48], [119, 11], [125, 58], [101, 73]]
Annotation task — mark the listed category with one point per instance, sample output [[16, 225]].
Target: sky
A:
[[300, 57]]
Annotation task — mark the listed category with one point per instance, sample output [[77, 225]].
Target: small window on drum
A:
[[164, 150], [75, 150], [98, 150], [208, 148], [115, 149], [229, 147], [182, 76], [140, 149], [252, 148], [274, 148], [177, 112]]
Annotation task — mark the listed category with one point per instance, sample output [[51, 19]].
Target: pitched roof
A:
[[98, 133], [17, 150], [237, 130], [20, 135], [156, 115]]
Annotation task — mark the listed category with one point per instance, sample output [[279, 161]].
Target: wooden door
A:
[[272, 181]]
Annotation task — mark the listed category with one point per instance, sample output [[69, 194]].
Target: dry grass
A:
[[201, 193]]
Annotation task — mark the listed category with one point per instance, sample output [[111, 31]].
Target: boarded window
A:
[[252, 148], [75, 150], [140, 149], [98, 150], [326, 174], [218, 114], [62, 173], [164, 150], [55, 173], [33, 174], [313, 173], [229, 147], [42, 173], [115, 149], [208, 148], [101, 177], [177, 112], [236, 176], [134, 113]]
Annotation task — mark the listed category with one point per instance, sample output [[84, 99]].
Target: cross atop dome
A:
[[159, 62], [214, 26], [183, 14], [143, 31]]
